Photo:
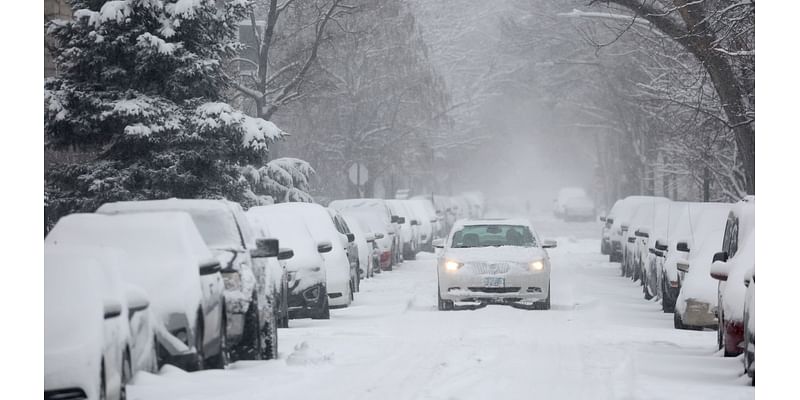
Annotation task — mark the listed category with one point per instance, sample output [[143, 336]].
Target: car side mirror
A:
[[602, 218], [401, 220], [209, 267], [137, 299], [609, 221], [265, 248], [414, 222], [396, 219], [324, 247], [682, 246], [379, 236], [285, 253], [682, 266], [720, 256], [749, 276], [642, 233], [719, 270], [370, 237], [438, 243], [549, 244], [111, 309], [624, 228], [661, 245], [631, 239], [351, 237]]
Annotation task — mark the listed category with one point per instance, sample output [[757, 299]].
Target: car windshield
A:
[[493, 235]]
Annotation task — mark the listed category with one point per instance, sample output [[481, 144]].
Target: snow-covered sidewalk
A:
[[600, 340]]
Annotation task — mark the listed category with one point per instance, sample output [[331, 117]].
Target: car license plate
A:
[[494, 281]]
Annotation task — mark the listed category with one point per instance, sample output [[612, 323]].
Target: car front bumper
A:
[[303, 303], [517, 287]]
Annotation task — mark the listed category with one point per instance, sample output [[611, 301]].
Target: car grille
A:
[[512, 289], [483, 268]]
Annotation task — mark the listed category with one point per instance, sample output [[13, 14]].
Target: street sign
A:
[[358, 174]]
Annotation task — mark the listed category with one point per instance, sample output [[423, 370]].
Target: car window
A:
[[493, 235], [734, 244]]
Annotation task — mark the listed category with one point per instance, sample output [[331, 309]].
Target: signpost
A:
[[359, 176]]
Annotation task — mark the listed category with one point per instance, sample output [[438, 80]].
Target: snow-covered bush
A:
[[142, 85]]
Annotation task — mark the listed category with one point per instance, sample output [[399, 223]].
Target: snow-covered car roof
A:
[[73, 303], [214, 218], [290, 231], [165, 250], [624, 211]]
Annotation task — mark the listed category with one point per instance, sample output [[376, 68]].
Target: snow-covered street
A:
[[600, 340]]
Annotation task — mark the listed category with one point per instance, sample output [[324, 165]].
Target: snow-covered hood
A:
[[501, 253]]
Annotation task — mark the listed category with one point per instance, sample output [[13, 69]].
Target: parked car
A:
[[729, 267], [308, 293], [437, 220], [665, 216], [619, 228], [605, 231], [170, 261], [340, 271], [426, 219], [494, 261], [749, 322], [409, 237], [351, 247], [381, 220], [374, 229], [87, 341], [279, 273], [252, 325], [363, 242], [636, 237], [695, 306]]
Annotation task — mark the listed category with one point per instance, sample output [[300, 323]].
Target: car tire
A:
[[324, 311], [445, 305], [221, 360], [251, 345], [199, 362], [677, 322], [646, 288], [749, 340], [667, 302], [544, 305], [721, 330], [101, 394], [125, 374], [270, 349]]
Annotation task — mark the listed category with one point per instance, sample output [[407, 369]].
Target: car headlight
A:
[[451, 265], [537, 265]]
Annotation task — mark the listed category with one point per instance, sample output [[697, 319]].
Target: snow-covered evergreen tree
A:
[[141, 83]]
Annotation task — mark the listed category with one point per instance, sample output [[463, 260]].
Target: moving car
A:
[[87, 343], [308, 294], [729, 267], [494, 261], [170, 261], [572, 203], [252, 325]]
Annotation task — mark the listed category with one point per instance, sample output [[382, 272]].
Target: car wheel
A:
[[251, 345], [221, 360], [199, 363], [749, 342], [677, 322], [721, 330], [102, 395], [271, 345], [667, 299], [646, 288], [445, 305], [126, 374], [324, 311], [545, 305]]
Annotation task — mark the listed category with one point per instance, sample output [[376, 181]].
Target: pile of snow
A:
[[303, 354]]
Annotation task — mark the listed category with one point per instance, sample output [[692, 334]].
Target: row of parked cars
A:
[[697, 259], [202, 283]]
